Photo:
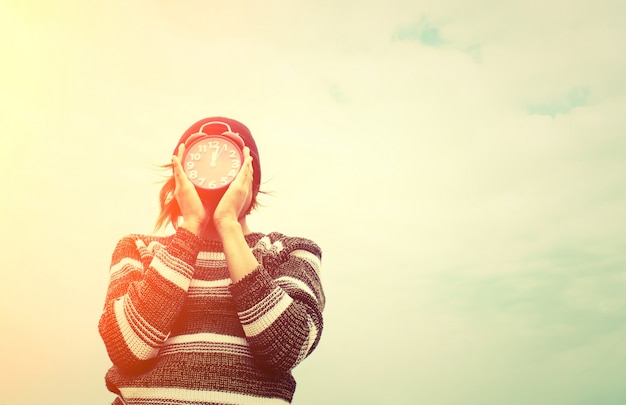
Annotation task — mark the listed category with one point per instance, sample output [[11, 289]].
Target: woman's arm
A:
[[146, 291], [239, 257], [278, 296], [229, 222], [280, 302]]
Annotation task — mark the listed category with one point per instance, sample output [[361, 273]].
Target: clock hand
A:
[[219, 151], [216, 153]]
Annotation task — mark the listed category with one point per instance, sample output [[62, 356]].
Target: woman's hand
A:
[[238, 197], [195, 216]]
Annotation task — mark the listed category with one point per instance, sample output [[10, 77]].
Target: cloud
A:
[[429, 34], [577, 97], [421, 31]]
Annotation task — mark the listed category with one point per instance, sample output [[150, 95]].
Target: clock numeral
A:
[[231, 154], [214, 144], [201, 180], [195, 156], [212, 184], [224, 180], [235, 164], [202, 148], [232, 173], [193, 174], [190, 164]]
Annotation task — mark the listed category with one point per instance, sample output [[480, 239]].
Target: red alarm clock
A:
[[212, 158]]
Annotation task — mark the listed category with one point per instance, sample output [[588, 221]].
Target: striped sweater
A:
[[178, 331]]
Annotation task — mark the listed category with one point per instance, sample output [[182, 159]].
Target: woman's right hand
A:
[[195, 216]]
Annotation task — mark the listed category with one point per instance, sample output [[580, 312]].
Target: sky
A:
[[460, 164]]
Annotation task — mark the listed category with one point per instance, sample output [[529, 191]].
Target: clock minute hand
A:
[[219, 151], [213, 157]]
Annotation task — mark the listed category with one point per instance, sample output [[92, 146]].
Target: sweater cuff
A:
[[185, 245], [252, 289]]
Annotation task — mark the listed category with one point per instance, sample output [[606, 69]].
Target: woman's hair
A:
[[170, 211]]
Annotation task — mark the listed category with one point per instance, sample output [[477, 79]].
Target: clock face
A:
[[212, 162]]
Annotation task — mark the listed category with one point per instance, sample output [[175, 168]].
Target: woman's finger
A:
[[244, 177], [247, 162], [179, 174], [176, 168]]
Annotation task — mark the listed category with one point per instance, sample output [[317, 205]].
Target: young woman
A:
[[215, 313]]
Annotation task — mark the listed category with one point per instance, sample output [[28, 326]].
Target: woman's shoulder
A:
[[280, 242], [138, 240]]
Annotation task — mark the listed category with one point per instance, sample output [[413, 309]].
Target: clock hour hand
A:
[[216, 153]]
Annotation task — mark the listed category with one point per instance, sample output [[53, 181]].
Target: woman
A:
[[215, 313]]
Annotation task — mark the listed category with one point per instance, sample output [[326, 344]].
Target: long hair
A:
[[170, 211]]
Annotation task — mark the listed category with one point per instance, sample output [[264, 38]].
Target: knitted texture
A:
[[179, 332]]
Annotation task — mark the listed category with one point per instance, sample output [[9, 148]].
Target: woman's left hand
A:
[[238, 197]]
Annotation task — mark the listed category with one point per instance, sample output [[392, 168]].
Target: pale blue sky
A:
[[461, 165]]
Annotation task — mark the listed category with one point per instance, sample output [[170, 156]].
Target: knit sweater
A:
[[178, 331]]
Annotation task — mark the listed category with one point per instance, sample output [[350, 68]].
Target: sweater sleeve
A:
[[146, 291], [280, 303]]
